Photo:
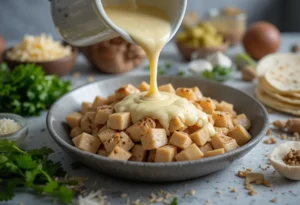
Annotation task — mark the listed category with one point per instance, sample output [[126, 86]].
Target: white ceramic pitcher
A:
[[84, 22]]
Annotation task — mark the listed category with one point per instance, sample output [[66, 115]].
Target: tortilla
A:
[[282, 98], [275, 104]]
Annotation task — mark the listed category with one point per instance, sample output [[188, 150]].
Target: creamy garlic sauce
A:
[[150, 28]]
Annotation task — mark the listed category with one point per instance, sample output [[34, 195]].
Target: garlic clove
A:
[[276, 159], [220, 59], [198, 66]]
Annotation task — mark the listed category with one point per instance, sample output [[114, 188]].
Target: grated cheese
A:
[[8, 126], [39, 48]]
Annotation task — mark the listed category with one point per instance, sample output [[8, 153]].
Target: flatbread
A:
[[275, 104], [282, 98]]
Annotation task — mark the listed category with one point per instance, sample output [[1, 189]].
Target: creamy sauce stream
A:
[[150, 28]]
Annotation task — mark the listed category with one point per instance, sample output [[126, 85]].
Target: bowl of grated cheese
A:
[[53, 56], [13, 127]]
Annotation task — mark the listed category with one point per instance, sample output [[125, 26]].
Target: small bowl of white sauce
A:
[[13, 127]]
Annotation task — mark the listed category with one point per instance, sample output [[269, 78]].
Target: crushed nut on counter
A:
[[270, 141], [291, 125], [269, 132]]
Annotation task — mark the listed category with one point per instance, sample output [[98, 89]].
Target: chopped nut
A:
[[270, 141], [292, 158], [248, 73], [280, 124], [269, 132], [274, 200]]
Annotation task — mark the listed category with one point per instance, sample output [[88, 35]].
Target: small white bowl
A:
[[19, 135]]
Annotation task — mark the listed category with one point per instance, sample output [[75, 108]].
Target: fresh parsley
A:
[[26, 90], [217, 74], [175, 201], [31, 169]]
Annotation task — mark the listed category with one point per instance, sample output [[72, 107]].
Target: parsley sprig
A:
[[31, 169], [217, 74]]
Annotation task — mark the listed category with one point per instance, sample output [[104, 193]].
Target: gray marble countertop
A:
[[212, 189]]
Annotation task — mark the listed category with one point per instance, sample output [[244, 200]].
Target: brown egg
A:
[[2, 46], [261, 39]]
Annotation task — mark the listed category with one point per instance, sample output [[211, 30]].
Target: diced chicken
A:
[[102, 152], [73, 119], [95, 132], [221, 141], [240, 134], [154, 139], [198, 106], [151, 156], [191, 94], [222, 119], [98, 102], [193, 128], [102, 129], [205, 148], [214, 152], [242, 120], [138, 153], [176, 125], [119, 121], [75, 132], [222, 130], [119, 153], [111, 99], [165, 154], [226, 107], [85, 106], [87, 142], [106, 135], [136, 130], [125, 91], [143, 86], [180, 139], [102, 114], [190, 153], [167, 88], [121, 139], [87, 122], [208, 106], [200, 137]]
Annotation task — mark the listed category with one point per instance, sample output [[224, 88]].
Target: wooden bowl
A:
[[186, 51], [57, 67]]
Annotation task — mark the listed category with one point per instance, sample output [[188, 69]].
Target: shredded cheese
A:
[[8, 126], [38, 49]]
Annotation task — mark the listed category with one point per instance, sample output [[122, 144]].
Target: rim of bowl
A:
[[74, 53], [16, 134], [243, 148]]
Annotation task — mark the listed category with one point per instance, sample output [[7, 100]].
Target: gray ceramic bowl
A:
[[155, 172]]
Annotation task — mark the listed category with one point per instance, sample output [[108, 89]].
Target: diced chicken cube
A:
[[75, 132], [191, 94], [102, 114], [102, 152], [226, 107], [98, 102], [138, 153], [136, 130], [214, 152], [193, 128], [190, 153], [87, 142], [154, 139], [121, 139], [106, 135], [167, 88], [221, 141], [125, 91], [87, 122], [165, 154], [85, 106], [119, 121], [200, 137], [119, 153], [103, 128], [240, 134], [180, 139], [95, 132], [73, 119], [243, 120], [144, 86], [205, 148], [176, 125], [111, 99], [208, 106], [222, 119], [151, 156], [222, 130]]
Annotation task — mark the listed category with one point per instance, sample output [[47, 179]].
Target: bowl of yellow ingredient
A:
[[202, 39]]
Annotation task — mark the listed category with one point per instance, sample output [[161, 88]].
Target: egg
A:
[[2, 47], [261, 39]]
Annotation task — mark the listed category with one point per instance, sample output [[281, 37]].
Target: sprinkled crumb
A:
[[91, 79], [264, 169], [208, 202], [274, 200], [270, 141], [218, 192], [269, 132], [76, 75], [233, 190], [252, 192], [191, 192], [123, 195], [283, 136]]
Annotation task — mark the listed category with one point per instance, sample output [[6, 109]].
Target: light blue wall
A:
[[18, 17]]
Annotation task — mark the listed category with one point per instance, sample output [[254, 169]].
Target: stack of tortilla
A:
[[279, 82]]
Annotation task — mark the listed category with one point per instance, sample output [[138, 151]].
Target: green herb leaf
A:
[[168, 64], [161, 71], [217, 74], [50, 187], [26, 162], [181, 73], [175, 201]]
